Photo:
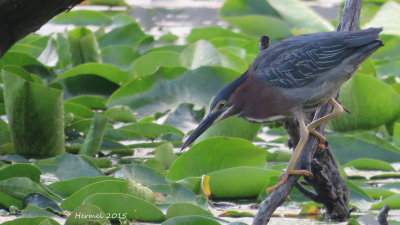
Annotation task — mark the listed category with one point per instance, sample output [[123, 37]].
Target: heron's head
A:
[[220, 109]]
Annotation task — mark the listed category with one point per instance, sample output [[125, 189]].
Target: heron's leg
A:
[[292, 163], [336, 112]]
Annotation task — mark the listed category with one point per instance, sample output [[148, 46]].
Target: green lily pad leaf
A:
[[300, 16], [90, 101], [141, 174], [159, 93], [389, 52], [28, 49], [393, 201], [185, 117], [369, 109], [165, 154], [33, 211], [192, 183], [41, 201], [210, 155], [201, 53], [180, 193], [151, 62], [83, 18], [94, 138], [386, 17], [236, 214], [246, 7], [385, 176], [119, 55], [109, 72], [357, 192], [239, 182], [210, 33], [185, 209], [194, 220], [121, 206], [130, 34], [249, 24], [86, 213], [378, 193], [106, 186], [348, 148], [232, 61], [232, 127], [83, 46], [20, 170], [14, 190], [32, 221], [29, 107], [370, 164], [78, 110], [68, 187], [396, 134], [149, 130], [108, 2], [120, 113], [27, 62], [73, 166]]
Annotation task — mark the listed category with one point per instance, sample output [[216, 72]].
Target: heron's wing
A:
[[299, 60], [299, 66]]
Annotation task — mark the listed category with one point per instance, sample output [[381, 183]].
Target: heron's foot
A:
[[283, 178]]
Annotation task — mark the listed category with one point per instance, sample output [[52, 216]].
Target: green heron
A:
[[292, 78]]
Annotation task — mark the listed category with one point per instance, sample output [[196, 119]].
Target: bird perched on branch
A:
[[292, 78]]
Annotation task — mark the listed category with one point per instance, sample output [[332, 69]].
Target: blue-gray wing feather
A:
[[297, 61]]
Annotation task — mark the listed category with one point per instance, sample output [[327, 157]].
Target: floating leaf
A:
[[158, 92], [201, 53], [90, 101], [82, 18], [378, 193], [109, 72], [232, 127], [393, 201], [210, 155], [119, 55], [32, 221], [121, 206], [165, 154], [387, 17], [240, 181], [14, 190], [151, 62], [142, 174], [130, 34], [86, 213], [41, 201], [195, 220], [20, 170], [185, 209], [120, 113], [369, 109], [149, 130], [68, 187], [73, 166], [300, 16], [348, 147], [83, 46], [211, 33], [370, 164]]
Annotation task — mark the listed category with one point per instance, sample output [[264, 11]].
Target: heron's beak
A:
[[204, 125]]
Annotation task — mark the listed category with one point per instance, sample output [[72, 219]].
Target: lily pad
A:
[[370, 164], [194, 220], [160, 92], [185, 209], [369, 109], [20, 170], [393, 201], [86, 213], [210, 155], [83, 18], [240, 181], [32, 221], [121, 206]]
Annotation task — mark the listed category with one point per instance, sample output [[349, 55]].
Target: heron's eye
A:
[[221, 104]]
